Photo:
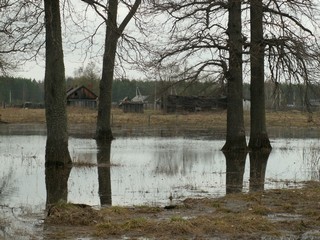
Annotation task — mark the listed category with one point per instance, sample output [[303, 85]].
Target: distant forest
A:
[[17, 91]]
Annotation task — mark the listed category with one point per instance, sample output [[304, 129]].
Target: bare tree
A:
[[281, 32], [57, 153], [236, 138], [258, 131], [113, 33], [290, 41], [21, 33], [206, 37]]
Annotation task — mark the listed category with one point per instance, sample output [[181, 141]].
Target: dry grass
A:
[[152, 118], [235, 216]]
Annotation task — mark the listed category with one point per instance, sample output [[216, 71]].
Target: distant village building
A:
[[136, 104], [140, 98], [136, 107], [81, 97], [175, 103]]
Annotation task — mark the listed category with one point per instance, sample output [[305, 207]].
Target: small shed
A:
[[135, 105], [81, 97], [175, 103]]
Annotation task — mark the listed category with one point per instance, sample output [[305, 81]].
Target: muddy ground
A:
[[272, 214]]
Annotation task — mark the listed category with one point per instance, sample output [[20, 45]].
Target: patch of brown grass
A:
[[21, 115], [242, 216], [151, 118], [64, 213]]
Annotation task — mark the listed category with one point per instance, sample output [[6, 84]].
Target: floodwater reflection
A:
[[235, 169], [104, 174], [258, 166], [137, 171]]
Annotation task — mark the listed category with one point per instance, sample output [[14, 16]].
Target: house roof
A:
[[139, 98], [81, 92]]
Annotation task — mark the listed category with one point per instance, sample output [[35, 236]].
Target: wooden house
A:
[[81, 97], [136, 104], [175, 103], [136, 107]]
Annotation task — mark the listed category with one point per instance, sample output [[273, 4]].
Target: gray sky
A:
[[79, 57]]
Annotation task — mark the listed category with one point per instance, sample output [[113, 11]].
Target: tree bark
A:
[[104, 175], [235, 139], [57, 152], [258, 166], [235, 165], [103, 131], [113, 32], [258, 133], [57, 184]]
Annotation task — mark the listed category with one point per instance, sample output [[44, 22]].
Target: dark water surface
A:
[[143, 171]]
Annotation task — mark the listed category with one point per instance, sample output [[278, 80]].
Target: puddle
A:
[[144, 171], [284, 217]]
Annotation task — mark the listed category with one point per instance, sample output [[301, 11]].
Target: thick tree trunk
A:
[[57, 152], [258, 166], [57, 184], [103, 131], [235, 139], [235, 165], [104, 176], [258, 132]]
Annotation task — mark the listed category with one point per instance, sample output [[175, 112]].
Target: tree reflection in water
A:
[[235, 163], [258, 166], [235, 166], [57, 183], [104, 176]]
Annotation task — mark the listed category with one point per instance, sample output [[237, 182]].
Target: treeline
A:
[[17, 91]]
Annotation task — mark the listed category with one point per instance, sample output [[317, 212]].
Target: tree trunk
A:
[[235, 165], [57, 152], [104, 176], [57, 184], [235, 139], [103, 131], [258, 166], [258, 134]]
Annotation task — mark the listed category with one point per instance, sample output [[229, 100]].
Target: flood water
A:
[[142, 171]]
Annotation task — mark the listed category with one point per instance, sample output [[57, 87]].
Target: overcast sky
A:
[[34, 70], [75, 58]]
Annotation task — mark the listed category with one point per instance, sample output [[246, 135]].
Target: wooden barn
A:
[[175, 103], [81, 97], [136, 104], [136, 107]]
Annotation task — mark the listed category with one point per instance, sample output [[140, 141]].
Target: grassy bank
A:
[[158, 118], [272, 214]]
